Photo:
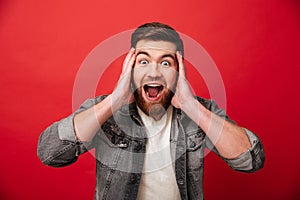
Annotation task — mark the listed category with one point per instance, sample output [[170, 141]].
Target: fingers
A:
[[129, 61], [181, 67]]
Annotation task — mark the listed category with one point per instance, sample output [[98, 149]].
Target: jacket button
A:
[[122, 144], [180, 182], [193, 144]]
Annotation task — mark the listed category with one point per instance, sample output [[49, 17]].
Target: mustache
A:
[[146, 80]]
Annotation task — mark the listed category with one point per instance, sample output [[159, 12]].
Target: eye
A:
[[165, 63], [143, 62]]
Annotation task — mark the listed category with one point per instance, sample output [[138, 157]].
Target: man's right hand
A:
[[123, 94], [88, 122]]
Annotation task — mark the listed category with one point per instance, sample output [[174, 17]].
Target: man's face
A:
[[155, 76]]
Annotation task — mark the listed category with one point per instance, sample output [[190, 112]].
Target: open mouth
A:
[[153, 91]]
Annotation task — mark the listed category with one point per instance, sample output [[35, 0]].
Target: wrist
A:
[[189, 103], [117, 101]]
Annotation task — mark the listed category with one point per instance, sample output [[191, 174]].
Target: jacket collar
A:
[[132, 111]]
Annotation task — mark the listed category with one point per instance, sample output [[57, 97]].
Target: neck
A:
[[157, 111], [158, 116]]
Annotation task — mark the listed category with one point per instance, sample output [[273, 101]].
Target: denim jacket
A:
[[120, 145]]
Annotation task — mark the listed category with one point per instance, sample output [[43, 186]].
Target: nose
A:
[[153, 70]]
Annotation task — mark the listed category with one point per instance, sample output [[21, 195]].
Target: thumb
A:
[[175, 102]]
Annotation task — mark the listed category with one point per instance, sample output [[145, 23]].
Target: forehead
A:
[[158, 46]]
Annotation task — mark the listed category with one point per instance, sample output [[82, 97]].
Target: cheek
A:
[[137, 76], [171, 77]]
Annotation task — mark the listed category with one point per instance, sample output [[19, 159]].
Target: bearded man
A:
[[151, 131]]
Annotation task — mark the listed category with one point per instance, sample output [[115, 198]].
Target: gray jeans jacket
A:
[[120, 146]]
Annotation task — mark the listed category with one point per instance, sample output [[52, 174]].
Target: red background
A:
[[255, 44]]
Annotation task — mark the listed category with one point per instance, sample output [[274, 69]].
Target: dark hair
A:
[[157, 31]]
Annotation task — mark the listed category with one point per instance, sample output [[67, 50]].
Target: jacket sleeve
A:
[[58, 145], [251, 160]]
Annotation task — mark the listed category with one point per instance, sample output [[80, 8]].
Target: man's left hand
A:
[[183, 92]]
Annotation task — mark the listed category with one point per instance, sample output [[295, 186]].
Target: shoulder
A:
[[207, 103], [92, 101]]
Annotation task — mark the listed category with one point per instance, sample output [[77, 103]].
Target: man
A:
[[151, 132]]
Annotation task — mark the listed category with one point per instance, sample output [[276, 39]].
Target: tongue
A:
[[153, 91]]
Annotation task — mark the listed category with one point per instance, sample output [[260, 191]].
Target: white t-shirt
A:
[[158, 179]]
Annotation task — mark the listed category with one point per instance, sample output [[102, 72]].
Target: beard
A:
[[157, 109]]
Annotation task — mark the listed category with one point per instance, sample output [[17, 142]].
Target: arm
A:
[[88, 122], [58, 145], [62, 142], [249, 161], [231, 141]]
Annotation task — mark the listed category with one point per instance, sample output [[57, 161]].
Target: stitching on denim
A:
[[65, 149]]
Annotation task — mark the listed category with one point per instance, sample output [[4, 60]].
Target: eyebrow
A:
[[163, 56], [169, 55], [143, 52]]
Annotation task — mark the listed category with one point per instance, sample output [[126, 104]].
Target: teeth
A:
[[153, 85]]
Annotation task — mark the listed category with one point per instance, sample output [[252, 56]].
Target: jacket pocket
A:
[[195, 140], [195, 150], [107, 153]]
